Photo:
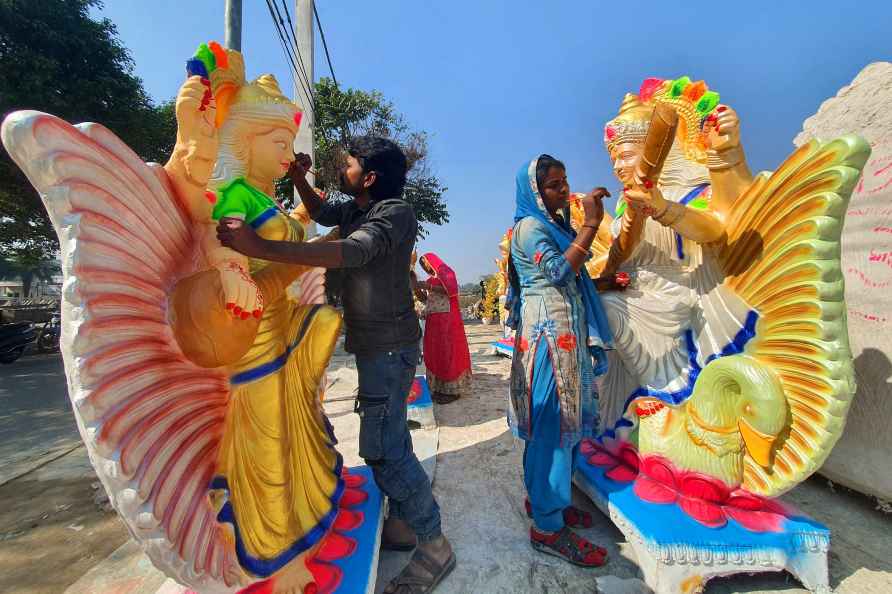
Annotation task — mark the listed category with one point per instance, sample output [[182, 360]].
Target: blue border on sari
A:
[[266, 567], [278, 363], [734, 347], [264, 217], [689, 197]]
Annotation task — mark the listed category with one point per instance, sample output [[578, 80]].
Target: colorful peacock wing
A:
[[782, 257]]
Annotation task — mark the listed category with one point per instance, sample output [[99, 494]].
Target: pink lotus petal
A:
[[700, 486], [708, 514], [655, 492], [659, 469], [629, 456], [746, 501], [622, 474], [587, 447], [602, 458], [757, 521]]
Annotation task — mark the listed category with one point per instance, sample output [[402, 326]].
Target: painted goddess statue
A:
[[732, 372], [194, 376]]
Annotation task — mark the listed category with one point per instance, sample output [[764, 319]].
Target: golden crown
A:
[[693, 101]]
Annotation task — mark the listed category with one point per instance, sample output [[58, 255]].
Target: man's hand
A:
[[299, 167], [239, 236], [593, 207]]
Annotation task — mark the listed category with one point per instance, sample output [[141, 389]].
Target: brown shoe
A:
[[396, 535], [441, 398], [430, 564]]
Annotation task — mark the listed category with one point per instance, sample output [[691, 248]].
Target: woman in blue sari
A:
[[562, 333]]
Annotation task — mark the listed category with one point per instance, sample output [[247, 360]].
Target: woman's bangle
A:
[[582, 250]]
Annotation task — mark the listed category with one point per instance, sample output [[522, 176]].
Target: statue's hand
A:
[[648, 200], [196, 112], [725, 133], [240, 292]]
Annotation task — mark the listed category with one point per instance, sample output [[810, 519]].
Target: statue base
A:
[[678, 555], [420, 407], [360, 570], [503, 347]]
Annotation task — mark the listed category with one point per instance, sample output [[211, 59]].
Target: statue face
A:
[[625, 157], [271, 154]]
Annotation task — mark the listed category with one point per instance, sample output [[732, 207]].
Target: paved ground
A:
[[52, 530], [36, 423]]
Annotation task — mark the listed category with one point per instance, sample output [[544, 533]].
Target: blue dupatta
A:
[[529, 204]]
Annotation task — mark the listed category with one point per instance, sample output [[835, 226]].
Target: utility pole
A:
[[303, 23], [233, 16]]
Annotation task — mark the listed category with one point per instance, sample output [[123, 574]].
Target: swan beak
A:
[[758, 444]]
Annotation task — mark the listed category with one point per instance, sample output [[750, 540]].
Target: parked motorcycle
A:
[[14, 338], [48, 337]]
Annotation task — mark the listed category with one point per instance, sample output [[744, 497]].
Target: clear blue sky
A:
[[496, 82]]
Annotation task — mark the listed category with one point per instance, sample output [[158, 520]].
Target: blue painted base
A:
[[420, 405], [503, 347], [361, 568], [678, 554]]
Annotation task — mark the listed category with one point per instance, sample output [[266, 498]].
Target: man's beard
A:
[[344, 186]]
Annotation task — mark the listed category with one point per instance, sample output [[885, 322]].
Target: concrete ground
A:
[[54, 528], [36, 423]]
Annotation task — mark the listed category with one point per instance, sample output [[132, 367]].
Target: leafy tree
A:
[[28, 269], [55, 58], [345, 113]]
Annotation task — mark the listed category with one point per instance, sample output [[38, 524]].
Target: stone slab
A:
[[862, 458]]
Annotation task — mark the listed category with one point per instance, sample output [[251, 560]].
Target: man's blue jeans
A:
[[385, 444]]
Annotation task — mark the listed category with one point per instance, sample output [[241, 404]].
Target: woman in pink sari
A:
[[446, 355]]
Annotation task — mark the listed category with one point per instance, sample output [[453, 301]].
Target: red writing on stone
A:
[[869, 212], [867, 316], [866, 279], [885, 257], [882, 229], [883, 168]]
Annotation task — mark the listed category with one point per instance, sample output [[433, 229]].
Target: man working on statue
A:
[[377, 230]]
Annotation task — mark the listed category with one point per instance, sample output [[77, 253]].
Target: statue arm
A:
[[192, 162], [728, 171], [730, 177], [631, 229]]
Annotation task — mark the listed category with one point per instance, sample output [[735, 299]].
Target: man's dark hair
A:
[[543, 164], [386, 159]]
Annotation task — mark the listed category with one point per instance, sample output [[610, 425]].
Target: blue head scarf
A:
[[529, 204]]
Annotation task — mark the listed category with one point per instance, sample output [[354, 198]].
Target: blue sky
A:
[[497, 82]]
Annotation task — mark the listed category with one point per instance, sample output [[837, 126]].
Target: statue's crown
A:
[[693, 101]]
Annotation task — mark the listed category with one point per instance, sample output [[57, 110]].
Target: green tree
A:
[[345, 113], [55, 58], [28, 269]]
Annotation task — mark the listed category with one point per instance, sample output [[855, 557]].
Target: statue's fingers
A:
[[240, 299]]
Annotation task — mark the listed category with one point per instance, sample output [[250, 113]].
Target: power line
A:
[[325, 45], [300, 58], [289, 54]]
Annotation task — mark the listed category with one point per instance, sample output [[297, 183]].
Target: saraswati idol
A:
[[194, 376], [732, 373]]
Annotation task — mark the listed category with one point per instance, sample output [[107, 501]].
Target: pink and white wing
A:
[[151, 420]]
